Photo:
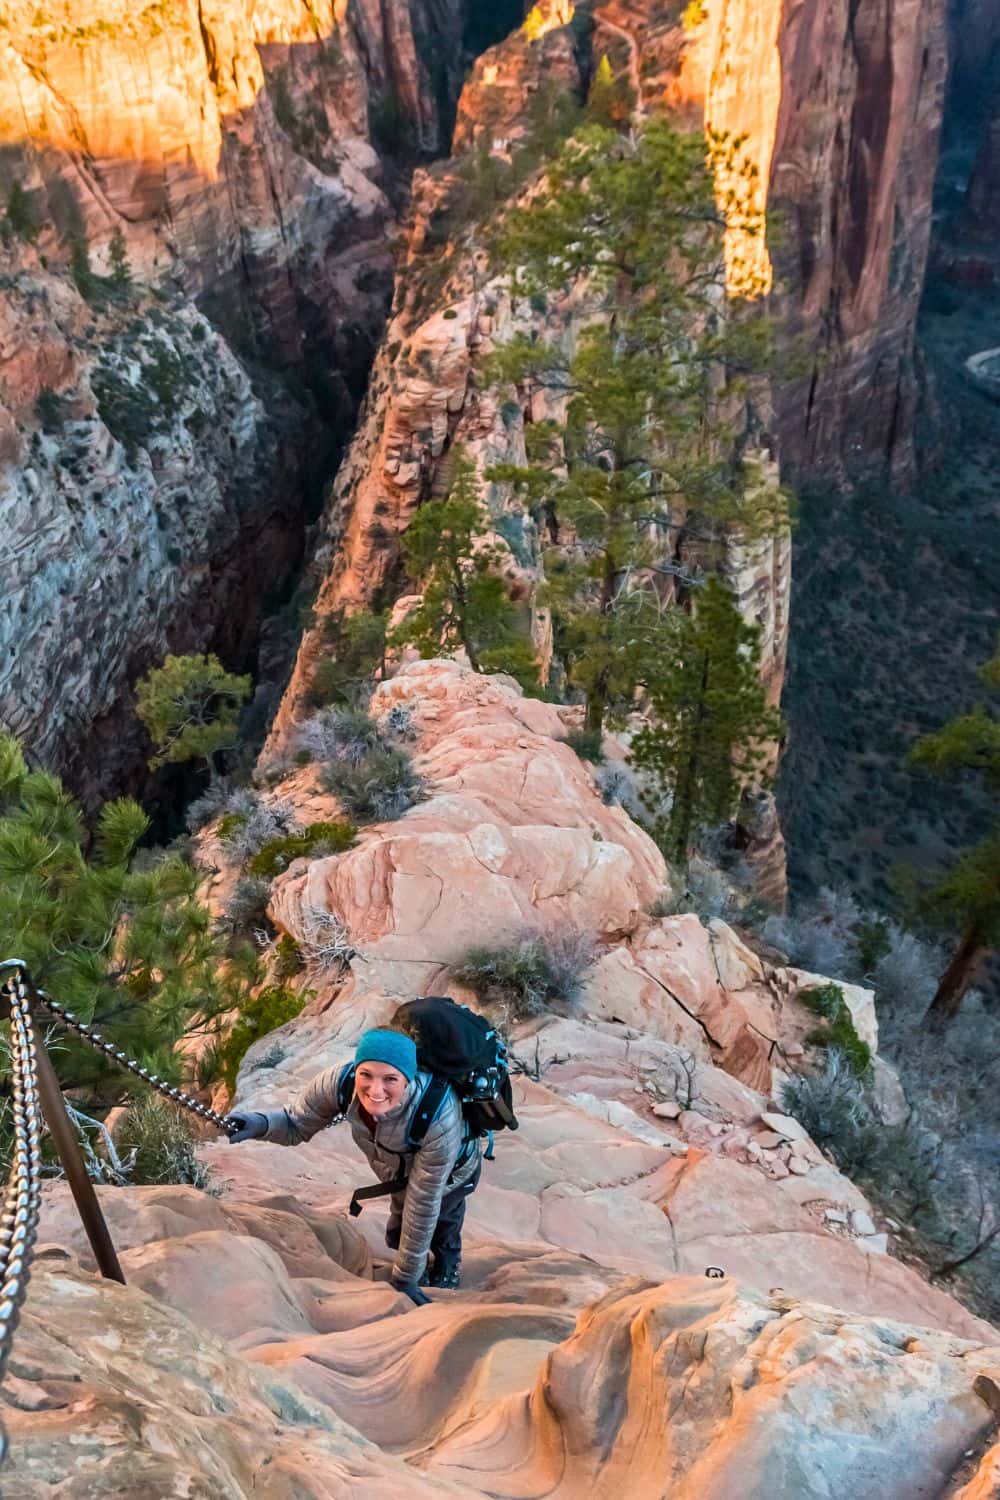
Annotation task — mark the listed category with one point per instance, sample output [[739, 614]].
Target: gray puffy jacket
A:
[[446, 1159]]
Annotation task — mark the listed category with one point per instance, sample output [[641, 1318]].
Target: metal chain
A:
[[89, 1034], [19, 1219]]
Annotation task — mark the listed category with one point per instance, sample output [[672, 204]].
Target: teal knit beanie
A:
[[391, 1048]]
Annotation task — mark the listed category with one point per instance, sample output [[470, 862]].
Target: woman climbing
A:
[[388, 1101]]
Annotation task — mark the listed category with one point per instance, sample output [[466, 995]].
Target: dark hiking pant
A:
[[446, 1242]]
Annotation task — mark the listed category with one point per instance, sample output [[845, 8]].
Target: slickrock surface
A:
[[513, 836], [113, 1395], [697, 1392], [257, 1349]]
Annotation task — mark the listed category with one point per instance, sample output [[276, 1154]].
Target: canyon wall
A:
[[841, 105], [248, 160], [160, 440], [860, 116]]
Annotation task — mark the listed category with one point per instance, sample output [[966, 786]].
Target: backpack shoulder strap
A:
[[429, 1106], [345, 1088]]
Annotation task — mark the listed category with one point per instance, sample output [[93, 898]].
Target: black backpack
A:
[[461, 1051]]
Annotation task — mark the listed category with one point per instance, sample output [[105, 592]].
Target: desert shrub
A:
[[155, 1142], [872, 943], [213, 802], [378, 789], [247, 907], [250, 824], [397, 724], [899, 1164], [356, 644], [128, 408], [316, 840], [905, 975], [337, 733], [326, 945], [19, 217], [619, 787], [819, 937], [528, 977], [828, 1002], [708, 892], [50, 409], [832, 1106], [833, 936], [266, 1011], [588, 744]]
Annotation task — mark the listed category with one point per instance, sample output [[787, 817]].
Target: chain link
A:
[[89, 1034], [22, 1198]]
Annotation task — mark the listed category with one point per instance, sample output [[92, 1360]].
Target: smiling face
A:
[[379, 1088]]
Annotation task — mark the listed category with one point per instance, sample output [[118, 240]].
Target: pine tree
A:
[[356, 645], [465, 601], [713, 723], [121, 272], [609, 100], [87, 283], [968, 895], [191, 706], [19, 218], [119, 944], [641, 463]]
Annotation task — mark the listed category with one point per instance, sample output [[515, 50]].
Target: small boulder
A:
[[786, 1127]]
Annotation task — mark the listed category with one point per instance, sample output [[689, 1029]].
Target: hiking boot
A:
[[446, 1276]]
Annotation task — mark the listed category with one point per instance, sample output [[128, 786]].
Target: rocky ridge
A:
[[427, 395], [257, 1348]]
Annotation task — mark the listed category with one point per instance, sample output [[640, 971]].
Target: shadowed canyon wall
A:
[[160, 444]]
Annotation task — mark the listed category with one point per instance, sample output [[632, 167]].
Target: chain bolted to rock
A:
[[22, 1200], [178, 1096]]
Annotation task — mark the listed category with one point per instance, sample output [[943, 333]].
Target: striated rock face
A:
[[112, 1394], [133, 521], [765, 1397], [153, 493], [841, 106], [860, 115]]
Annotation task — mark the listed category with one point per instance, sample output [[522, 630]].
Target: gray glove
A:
[[252, 1126], [411, 1290]]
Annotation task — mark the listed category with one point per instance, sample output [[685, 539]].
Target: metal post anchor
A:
[[66, 1144]]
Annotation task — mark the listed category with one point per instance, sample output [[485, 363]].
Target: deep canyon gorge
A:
[[251, 319]]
